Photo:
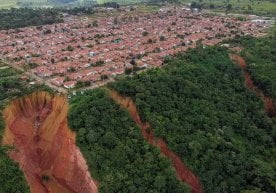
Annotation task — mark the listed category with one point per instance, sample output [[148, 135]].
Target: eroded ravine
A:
[[269, 106], [45, 148], [183, 173]]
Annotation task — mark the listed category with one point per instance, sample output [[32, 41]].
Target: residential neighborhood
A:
[[85, 51]]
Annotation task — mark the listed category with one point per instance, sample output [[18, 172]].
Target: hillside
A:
[[11, 178], [194, 123], [200, 105]]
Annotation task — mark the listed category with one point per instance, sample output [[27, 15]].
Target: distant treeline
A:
[[23, 17], [79, 10], [110, 4]]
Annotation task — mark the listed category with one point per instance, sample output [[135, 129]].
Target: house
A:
[[58, 81], [70, 84]]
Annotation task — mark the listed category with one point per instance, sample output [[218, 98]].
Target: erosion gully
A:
[[183, 173], [44, 146], [269, 106]]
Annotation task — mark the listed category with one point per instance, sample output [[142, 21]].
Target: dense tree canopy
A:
[[199, 104], [23, 17], [116, 153], [11, 178]]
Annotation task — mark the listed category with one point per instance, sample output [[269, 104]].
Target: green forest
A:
[[200, 105], [24, 17], [115, 151]]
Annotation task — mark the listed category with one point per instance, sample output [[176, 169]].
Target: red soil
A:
[[36, 125], [183, 172], [270, 107]]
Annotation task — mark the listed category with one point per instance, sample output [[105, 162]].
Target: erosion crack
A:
[[183, 173], [37, 126]]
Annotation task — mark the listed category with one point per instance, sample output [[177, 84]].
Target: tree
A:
[[145, 33], [71, 69], [160, 182], [104, 77], [228, 7], [11, 177], [133, 61], [115, 21], [150, 41], [95, 23], [128, 71], [192, 83], [109, 140], [162, 38], [115, 150], [70, 48]]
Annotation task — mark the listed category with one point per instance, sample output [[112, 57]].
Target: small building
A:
[[70, 84]]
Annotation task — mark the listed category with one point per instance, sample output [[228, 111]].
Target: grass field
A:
[[7, 3], [258, 7], [241, 6], [120, 1]]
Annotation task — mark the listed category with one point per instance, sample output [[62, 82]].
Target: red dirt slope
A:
[[183, 172], [270, 107], [36, 125]]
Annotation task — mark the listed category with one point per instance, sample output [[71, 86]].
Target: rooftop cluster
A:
[[86, 51]]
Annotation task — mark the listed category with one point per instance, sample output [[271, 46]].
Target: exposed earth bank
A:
[[183, 173], [269, 106], [44, 147]]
